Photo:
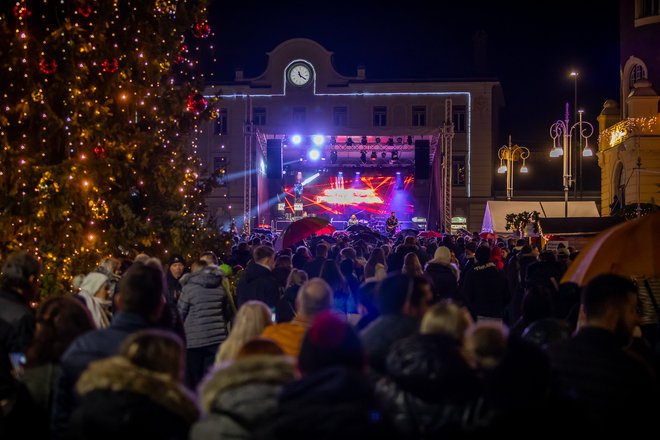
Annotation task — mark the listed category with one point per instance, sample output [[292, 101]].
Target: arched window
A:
[[619, 183], [637, 72]]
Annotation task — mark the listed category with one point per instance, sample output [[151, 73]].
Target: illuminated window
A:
[[458, 171], [636, 73]]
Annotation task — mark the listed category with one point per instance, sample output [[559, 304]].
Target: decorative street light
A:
[[510, 154], [565, 131]]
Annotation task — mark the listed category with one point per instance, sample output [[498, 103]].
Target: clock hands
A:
[[300, 75]]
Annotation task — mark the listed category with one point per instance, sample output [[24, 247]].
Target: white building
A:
[[300, 92]]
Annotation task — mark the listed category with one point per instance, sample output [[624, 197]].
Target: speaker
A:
[[274, 158], [422, 159]]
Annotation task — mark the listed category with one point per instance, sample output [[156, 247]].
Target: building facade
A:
[[301, 93], [629, 143]]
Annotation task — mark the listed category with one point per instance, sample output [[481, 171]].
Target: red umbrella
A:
[[429, 234], [488, 235], [303, 228]]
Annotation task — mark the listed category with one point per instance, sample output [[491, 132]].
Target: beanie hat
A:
[[92, 282], [330, 341], [176, 258], [483, 254], [442, 255]]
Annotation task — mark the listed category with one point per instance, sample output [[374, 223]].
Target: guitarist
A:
[[391, 224]]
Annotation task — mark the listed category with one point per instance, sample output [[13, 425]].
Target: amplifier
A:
[[281, 225]]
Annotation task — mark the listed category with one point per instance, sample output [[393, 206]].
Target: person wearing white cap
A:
[[94, 292]]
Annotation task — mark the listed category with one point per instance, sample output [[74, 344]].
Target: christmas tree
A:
[[100, 109]]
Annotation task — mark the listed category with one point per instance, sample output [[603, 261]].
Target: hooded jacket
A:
[[202, 306], [239, 397], [123, 401], [258, 283]]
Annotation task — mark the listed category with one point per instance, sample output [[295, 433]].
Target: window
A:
[[458, 171], [259, 116], [380, 116], [458, 118], [219, 175], [299, 115], [221, 122], [340, 116], [419, 116], [647, 8], [636, 73]]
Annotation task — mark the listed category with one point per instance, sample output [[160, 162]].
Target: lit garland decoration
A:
[[620, 131], [93, 163]]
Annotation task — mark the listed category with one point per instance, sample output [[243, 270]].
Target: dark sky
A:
[[532, 47]]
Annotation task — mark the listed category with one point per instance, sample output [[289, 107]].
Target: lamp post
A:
[[578, 173], [510, 154], [564, 130]]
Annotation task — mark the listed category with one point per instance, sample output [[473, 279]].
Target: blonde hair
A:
[[486, 343], [251, 320], [296, 277], [156, 350], [447, 318], [411, 265]]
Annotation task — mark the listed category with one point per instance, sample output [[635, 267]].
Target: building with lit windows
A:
[[302, 139], [629, 144]]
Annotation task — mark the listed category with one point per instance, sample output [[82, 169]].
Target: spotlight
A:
[[374, 156], [378, 140], [349, 142], [296, 139], [333, 156], [364, 140], [314, 154], [395, 155], [409, 141], [363, 157], [318, 139], [390, 141]]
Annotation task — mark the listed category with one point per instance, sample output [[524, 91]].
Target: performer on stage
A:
[[353, 220], [391, 224]]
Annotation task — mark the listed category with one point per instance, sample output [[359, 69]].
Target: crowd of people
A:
[[400, 337]]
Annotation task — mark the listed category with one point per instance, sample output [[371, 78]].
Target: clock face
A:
[[299, 74]]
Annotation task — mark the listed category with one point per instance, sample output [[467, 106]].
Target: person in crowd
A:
[[282, 270], [430, 388], [95, 295], [251, 320], [401, 308], [332, 399], [137, 393], [258, 282], [348, 253], [60, 319], [313, 267], [347, 269], [615, 206], [140, 303], [240, 395], [313, 297], [285, 310], [365, 300], [546, 270], [468, 261], [538, 303], [18, 286], [496, 257], [485, 288], [204, 309], [343, 301], [376, 267], [301, 257], [242, 254], [176, 268], [612, 383], [411, 265], [443, 275]]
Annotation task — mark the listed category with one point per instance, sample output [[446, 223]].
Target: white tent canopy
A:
[[496, 211]]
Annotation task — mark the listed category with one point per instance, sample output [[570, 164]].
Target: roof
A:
[[577, 225]]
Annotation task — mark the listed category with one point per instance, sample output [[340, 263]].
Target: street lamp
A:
[[564, 130], [510, 154]]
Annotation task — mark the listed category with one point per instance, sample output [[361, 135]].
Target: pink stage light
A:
[[348, 196]]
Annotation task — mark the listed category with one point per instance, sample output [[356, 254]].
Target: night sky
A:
[[532, 47]]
